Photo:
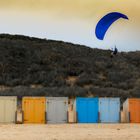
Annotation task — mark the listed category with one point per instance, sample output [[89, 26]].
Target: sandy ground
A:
[[71, 132]]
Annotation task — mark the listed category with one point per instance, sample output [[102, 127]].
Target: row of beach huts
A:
[[54, 110]]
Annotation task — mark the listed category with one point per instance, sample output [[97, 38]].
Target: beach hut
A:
[[8, 108], [109, 110], [131, 109], [34, 109], [71, 111], [87, 110], [57, 110]]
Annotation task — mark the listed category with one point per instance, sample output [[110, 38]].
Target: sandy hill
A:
[[38, 67]]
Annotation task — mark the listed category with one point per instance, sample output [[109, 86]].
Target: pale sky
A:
[[73, 21]]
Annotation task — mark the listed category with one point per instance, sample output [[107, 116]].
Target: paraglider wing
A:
[[104, 24]]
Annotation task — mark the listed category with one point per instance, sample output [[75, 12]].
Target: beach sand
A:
[[70, 132]]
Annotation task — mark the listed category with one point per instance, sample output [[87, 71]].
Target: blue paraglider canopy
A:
[[104, 24]]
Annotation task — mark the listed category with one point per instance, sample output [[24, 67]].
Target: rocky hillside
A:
[[38, 67]]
